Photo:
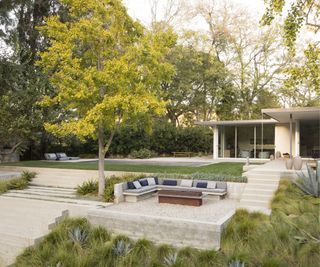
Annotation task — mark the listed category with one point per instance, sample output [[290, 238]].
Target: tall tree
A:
[[198, 86], [106, 70], [22, 82], [254, 57]]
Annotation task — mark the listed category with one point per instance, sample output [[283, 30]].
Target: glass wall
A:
[[246, 141], [310, 139], [265, 141]]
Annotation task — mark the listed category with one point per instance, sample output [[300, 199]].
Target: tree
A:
[[198, 86], [106, 70], [302, 84], [22, 83], [301, 12], [253, 57]]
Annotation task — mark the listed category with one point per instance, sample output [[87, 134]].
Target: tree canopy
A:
[[105, 68]]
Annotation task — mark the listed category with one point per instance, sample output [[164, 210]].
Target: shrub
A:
[[143, 153], [88, 187], [205, 176]]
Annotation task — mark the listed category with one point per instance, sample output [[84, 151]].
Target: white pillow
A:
[[186, 183], [151, 181], [211, 185], [137, 184]]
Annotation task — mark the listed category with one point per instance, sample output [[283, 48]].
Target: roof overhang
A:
[[236, 122], [283, 114]]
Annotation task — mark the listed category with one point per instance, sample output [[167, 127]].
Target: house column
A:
[[215, 142], [291, 136], [297, 138]]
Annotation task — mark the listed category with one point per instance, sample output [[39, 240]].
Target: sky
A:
[[141, 9]]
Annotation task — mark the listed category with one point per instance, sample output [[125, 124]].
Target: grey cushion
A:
[[151, 181], [222, 185], [50, 156], [186, 183], [137, 184], [211, 185]]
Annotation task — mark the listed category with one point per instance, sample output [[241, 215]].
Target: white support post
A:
[[291, 136], [215, 142], [297, 138]]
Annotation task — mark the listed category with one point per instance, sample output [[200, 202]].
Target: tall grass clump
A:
[[17, 183], [288, 237], [90, 187]]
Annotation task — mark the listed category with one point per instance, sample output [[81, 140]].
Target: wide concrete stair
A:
[[23, 223], [259, 190], [54, 194]]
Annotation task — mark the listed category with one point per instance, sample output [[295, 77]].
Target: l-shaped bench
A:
[[123, 193]]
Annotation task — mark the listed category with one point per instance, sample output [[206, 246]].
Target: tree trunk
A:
[[102, 181]]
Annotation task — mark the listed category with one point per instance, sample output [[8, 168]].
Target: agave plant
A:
[[171, 259], [121, 247], [78, 236], [310, 182], [236, 263]]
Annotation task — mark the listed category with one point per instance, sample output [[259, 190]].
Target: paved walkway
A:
[[27, 215], [62, 177]]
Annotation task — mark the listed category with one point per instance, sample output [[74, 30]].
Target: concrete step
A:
[[257, 203], [254, 197], [49, 188], [261, 186], [56, 199], [263, 180], [255, 190], [41, 193]]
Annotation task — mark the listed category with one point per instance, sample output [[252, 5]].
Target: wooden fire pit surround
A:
[[180, 197]]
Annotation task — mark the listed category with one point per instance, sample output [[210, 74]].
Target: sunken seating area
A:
[[134, 191]]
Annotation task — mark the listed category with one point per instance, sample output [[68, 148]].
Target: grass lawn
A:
[[233, 169]]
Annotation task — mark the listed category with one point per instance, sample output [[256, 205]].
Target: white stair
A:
[[55, 194], [259, 190]]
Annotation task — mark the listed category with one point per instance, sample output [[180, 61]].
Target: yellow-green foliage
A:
[[105, 67]]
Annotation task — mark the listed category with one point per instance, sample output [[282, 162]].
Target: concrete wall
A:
[[161, 230], [282, 138]]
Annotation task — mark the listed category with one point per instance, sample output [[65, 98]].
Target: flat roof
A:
[[298, 113], [236, 122]]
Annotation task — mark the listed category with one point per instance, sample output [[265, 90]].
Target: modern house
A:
[[295, 131]]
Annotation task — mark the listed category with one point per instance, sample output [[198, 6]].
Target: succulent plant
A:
[[309, 182], [78, 236], [236, 263], [171, 259], [121, 247]]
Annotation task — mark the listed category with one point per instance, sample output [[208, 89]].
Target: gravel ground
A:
[[210, 211]]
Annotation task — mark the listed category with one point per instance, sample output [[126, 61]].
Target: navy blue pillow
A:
[[202, 185], [156, 179], [170, 182], [131, 185], [143, 182]]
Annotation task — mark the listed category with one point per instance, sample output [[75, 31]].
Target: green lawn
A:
[[234, 169]]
